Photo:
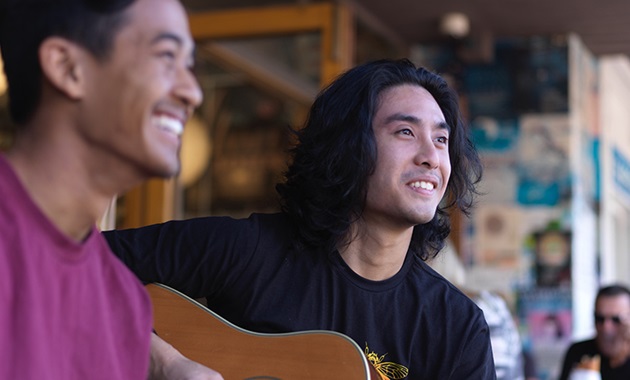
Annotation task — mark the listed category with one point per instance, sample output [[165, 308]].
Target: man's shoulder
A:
[[272, 226], [431, 277], [273, 219], [584, 343], [583, 347], [256, 223], [440, 292]]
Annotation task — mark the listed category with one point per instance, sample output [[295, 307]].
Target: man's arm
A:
[[194, 256], [169, 364], [477, 360]]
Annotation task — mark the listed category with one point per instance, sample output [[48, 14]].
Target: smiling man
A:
[[99, 91], [382, 156]]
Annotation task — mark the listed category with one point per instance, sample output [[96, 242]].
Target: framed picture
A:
[[553, 258]]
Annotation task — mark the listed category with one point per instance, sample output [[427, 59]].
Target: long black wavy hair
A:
[[326, 183]]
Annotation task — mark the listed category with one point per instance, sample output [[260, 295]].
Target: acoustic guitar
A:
[[239, 354]]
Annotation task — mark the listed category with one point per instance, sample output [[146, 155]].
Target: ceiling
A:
[[603, 25]]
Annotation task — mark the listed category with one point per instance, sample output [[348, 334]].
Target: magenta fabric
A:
[[68, 310]]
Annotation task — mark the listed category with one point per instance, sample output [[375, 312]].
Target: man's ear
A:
[[61, 61]]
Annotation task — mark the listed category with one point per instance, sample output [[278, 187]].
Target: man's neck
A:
[[374, 253], [59, 179]]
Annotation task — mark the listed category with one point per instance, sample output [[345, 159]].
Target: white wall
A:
[[615, 135], [585, 127]]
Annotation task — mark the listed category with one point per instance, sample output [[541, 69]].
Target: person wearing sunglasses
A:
[[611, 343]]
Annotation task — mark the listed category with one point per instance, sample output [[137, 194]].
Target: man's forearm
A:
[[169, 364]]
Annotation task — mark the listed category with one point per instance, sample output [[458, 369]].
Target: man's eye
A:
[[167, 54], [443, 139], [406, 132]]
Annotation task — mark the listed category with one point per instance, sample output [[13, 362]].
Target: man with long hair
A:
[[381, 158]]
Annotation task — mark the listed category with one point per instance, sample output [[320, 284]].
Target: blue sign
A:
[[621, 172]]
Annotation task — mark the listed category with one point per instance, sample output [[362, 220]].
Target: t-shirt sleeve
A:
[[192, 256], [570, 358], [476, 362]]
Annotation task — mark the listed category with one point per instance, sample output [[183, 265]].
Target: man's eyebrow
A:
[[413, 120], [175, 38], [167, 36], [444, 125], [402, 117]]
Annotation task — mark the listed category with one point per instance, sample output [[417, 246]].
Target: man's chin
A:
[[167, 170], [425, 218], [608, 348]]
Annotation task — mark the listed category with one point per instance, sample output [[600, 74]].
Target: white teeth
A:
[[423, 185], [170, 124]]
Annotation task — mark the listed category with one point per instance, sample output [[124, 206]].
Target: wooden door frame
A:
[[154, 201]]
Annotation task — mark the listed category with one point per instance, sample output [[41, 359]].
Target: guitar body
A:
[[205, 337]]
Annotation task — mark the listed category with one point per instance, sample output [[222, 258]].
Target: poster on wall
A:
[[490, 90], [553, 258], [497, 141], [545, 318], [621, 174], [542, 76], [544, 166], [585, 105], [526, 75], [498, 236], [584, 85]]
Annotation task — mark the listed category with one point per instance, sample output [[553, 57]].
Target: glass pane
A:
[[255, 90]]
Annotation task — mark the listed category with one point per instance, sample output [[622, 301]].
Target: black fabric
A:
[[250, 276], [589, 347]]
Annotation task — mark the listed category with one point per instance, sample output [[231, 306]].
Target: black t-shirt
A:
[[251, 276], [589, 347]]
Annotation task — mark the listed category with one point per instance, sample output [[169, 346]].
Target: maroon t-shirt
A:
[[69, 310]]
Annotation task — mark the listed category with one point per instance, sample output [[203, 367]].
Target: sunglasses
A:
[[600, 319]]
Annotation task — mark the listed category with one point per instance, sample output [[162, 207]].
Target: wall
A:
[[615, 156], [584, 110]]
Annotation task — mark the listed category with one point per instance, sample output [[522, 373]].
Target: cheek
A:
[[386, 173], [138, 103], [446, 167]]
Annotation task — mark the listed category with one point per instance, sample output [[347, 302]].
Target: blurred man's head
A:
[[116, 72], [612, 316], [91, 23]]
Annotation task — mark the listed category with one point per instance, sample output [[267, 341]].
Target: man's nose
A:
[[187, 88], [427, 154]]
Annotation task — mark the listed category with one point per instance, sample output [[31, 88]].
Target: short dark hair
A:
[[612, 291], [25, 24], [326, 183]]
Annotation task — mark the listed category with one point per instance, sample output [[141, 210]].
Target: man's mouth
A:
[[422, 185], [169, 124]]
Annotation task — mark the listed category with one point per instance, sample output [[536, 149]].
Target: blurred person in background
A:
[[610, 348], [507, 349]]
